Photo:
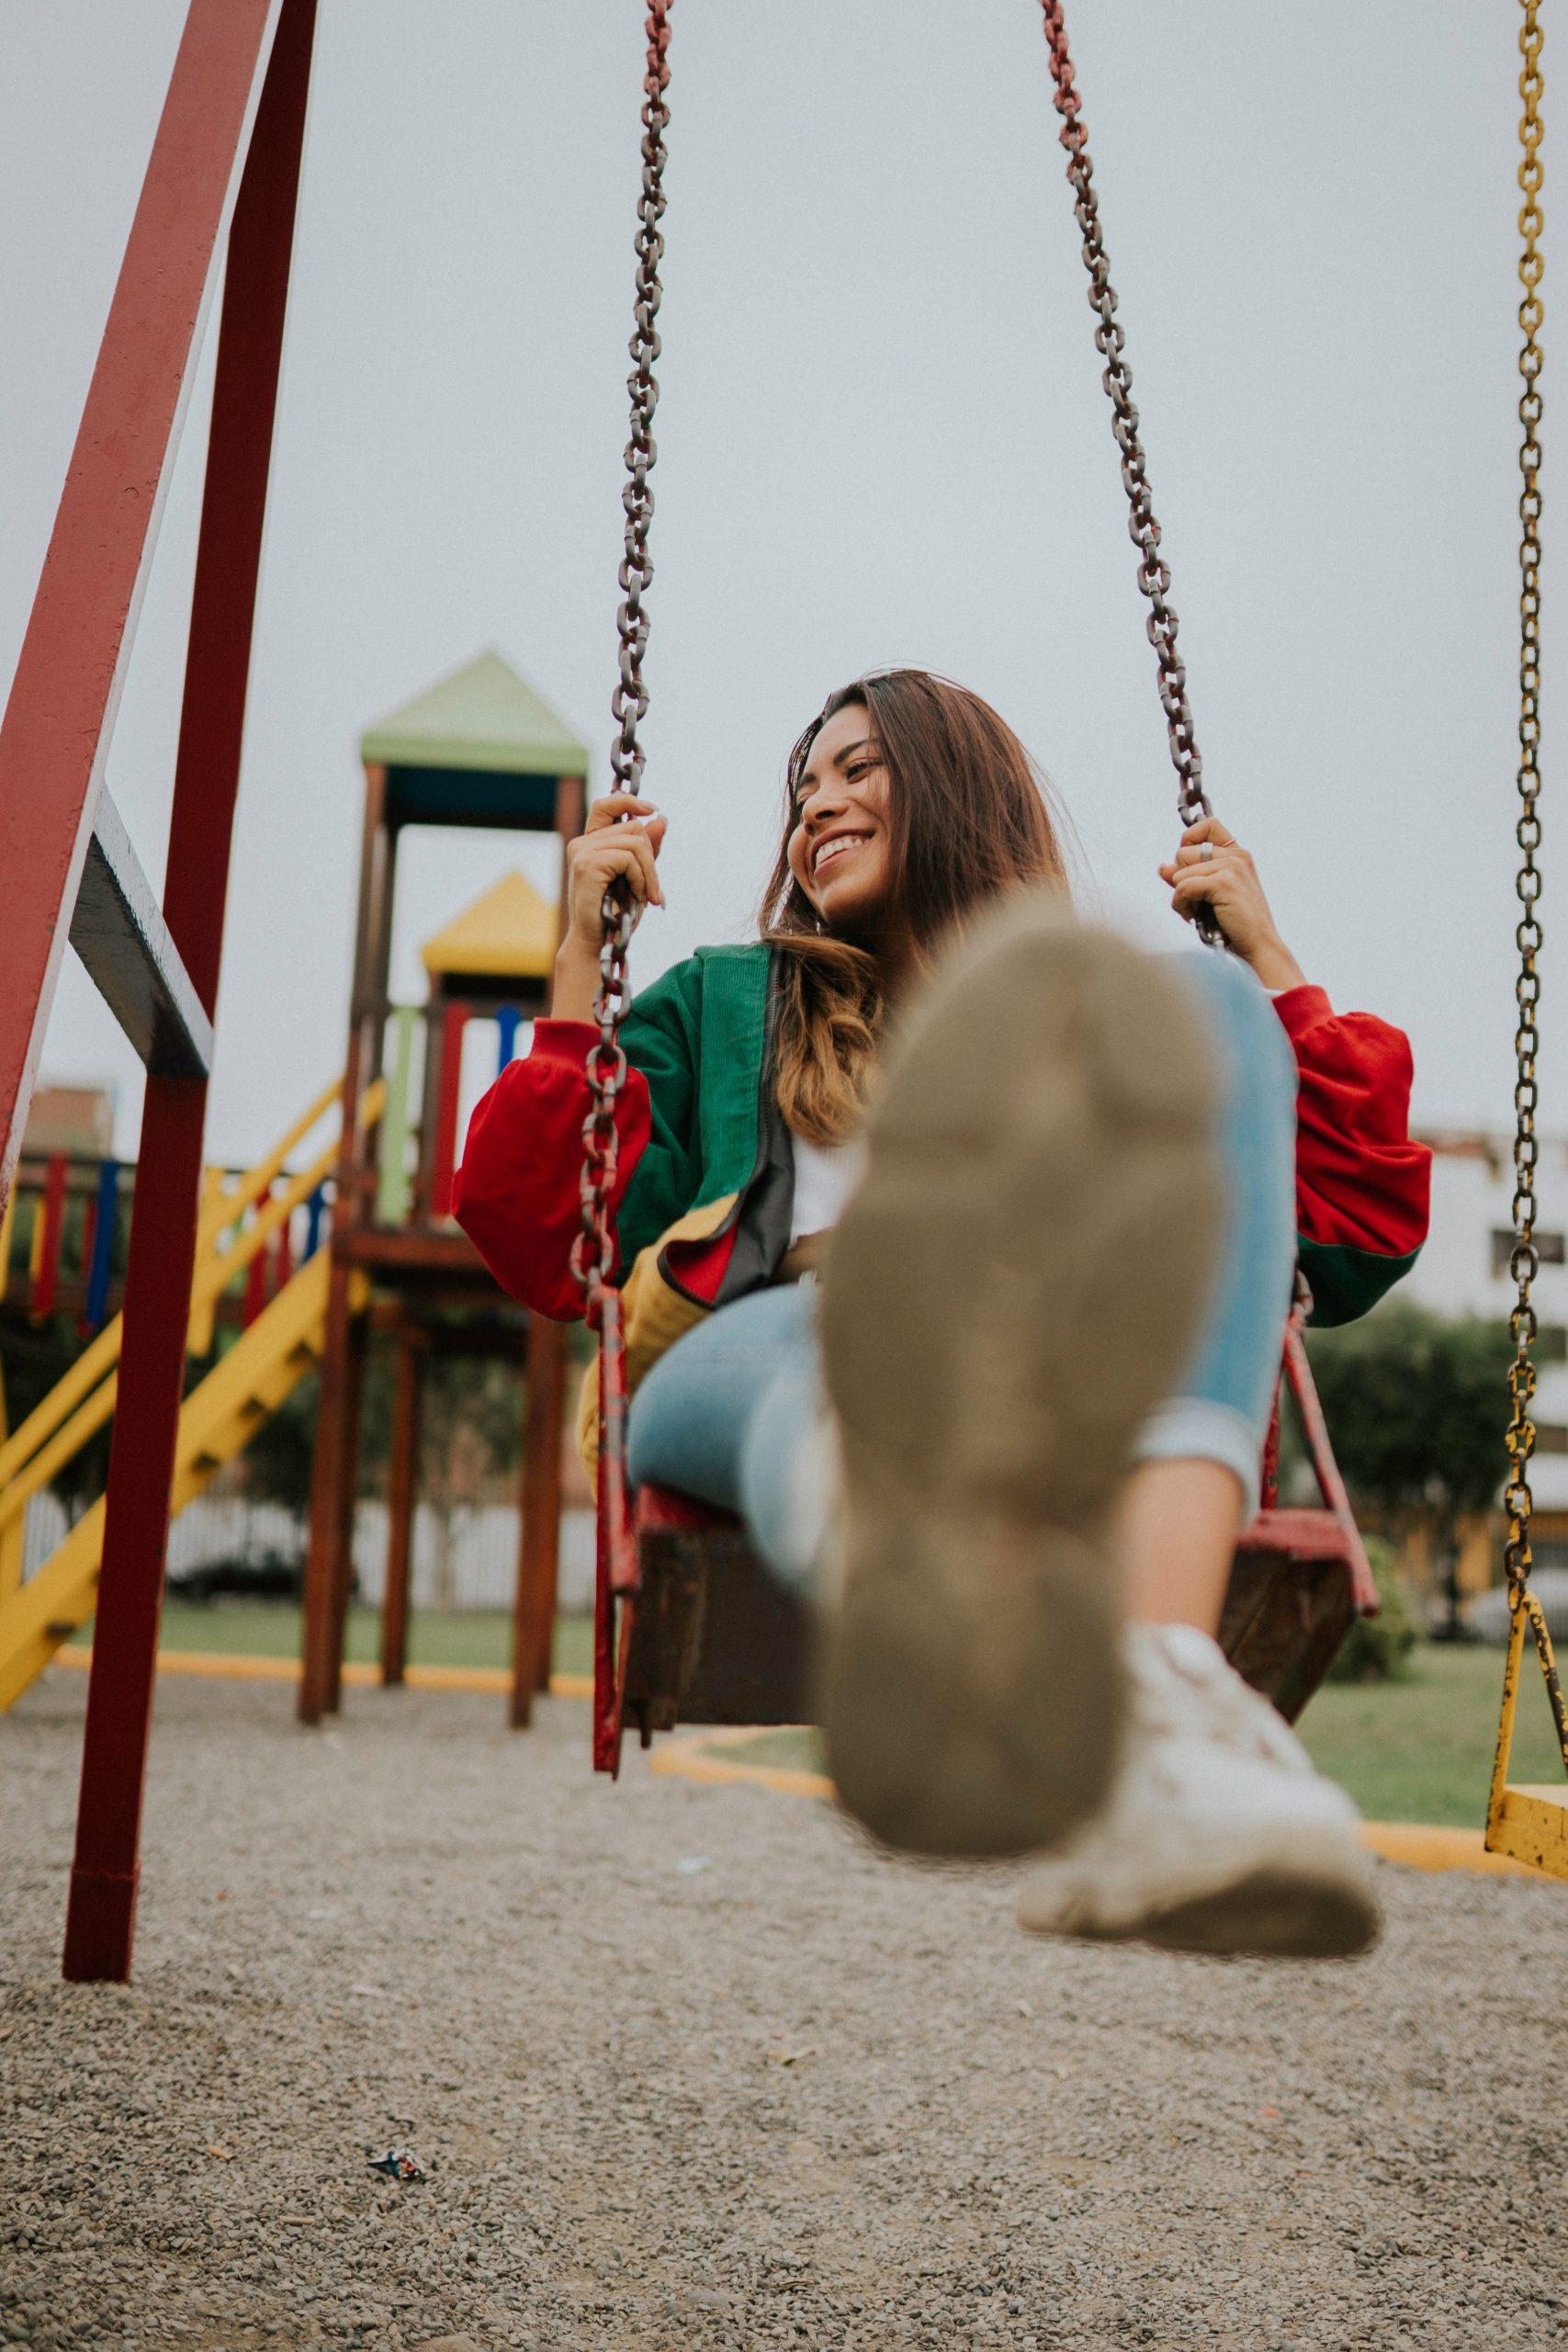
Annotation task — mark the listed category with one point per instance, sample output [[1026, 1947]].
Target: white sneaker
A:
[[1221, 1836], [1041, 1172]]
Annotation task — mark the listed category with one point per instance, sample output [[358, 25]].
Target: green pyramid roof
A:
[[483, 718]]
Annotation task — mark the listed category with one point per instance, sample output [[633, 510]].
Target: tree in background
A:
[[1415, 1404]]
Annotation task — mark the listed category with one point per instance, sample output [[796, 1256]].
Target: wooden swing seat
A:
[[716, 1639], [687, 1623], [712, 1636]]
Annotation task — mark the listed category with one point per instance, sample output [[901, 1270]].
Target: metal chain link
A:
[[594, 1250], [1153, 573], [1524, 1261]]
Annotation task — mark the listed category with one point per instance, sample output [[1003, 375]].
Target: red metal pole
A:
[[255, 1296], [454, 1020], [52, 1209], [538, 1552], [282, 1257], [101, 1916], [402, 1503], [60, 714]]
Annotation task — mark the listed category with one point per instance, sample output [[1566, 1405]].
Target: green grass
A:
[[1421, 1750], [271, 1629], [1416, 1751]]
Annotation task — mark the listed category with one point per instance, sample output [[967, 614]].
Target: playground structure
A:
[[480, 748], [220, 189], [1297, 1579]]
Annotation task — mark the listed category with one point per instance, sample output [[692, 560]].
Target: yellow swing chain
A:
[[1524, 1261]]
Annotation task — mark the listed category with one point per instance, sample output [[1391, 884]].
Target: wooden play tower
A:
[[481, 749]]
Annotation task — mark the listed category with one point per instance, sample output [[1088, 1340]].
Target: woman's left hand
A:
[[1211, 868]]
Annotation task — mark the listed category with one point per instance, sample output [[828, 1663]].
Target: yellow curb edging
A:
[[1420, 1847], [1414, 1845], [226, 1665], [693, 1759]]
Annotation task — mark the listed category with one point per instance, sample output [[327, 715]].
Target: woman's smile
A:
[[839, 848], [834, 846]]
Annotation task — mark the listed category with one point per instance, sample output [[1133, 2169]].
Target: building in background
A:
[[76, 1119], [1463, 1270]]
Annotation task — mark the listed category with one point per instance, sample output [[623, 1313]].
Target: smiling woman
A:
[[1056, 1180], [908, 805], [1060, 1255]]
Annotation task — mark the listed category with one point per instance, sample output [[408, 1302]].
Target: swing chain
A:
[[1525, 1259], [594, 1252], [629, 703], [1153, 573]]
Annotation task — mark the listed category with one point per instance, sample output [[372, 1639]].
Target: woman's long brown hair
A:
[[968, 819]]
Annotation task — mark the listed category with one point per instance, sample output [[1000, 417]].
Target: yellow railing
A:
[[82, 1401]]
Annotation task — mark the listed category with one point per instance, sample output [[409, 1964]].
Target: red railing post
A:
[[100, 1920], [55, 735]]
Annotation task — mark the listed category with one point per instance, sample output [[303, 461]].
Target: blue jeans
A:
[[735, 1413]]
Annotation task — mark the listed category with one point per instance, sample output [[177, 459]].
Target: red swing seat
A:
[[696, 1629], [686, 1621]]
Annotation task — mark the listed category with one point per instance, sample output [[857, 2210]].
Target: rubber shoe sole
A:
[[1311, 1899], [1273, 1914], [1014, 1286]]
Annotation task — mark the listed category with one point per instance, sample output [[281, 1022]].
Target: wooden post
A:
[[538, 1552], [13, 1535], [55, 735], [328, 1561], [402, 1502], [348, 1498], [572, 815], [100, 1918], [332, 1473]]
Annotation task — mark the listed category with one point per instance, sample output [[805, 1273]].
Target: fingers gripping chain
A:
[[592, 1256], [1153, 573]]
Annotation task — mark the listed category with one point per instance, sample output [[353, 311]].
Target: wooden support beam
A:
[[118, 932], [538, 1556], [209, 91], [402, 1503], [55, 735], [331, 1481]]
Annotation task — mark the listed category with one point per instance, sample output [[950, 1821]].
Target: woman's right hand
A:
[[606, 851]]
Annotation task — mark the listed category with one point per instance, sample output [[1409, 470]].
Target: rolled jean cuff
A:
[[1195, 1429]]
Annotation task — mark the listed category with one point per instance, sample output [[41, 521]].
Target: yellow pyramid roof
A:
[[508, 934]]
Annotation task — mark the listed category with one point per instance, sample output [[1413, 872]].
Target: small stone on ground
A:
[[806, 2095]]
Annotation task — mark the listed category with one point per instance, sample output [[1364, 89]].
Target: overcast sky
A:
[[882, 438]]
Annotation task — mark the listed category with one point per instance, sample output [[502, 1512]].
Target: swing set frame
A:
[[220, 189], [1299, 1576]]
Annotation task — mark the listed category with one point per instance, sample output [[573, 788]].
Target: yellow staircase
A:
[[249, 1382]]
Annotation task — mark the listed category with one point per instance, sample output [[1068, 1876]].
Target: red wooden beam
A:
[[51, 1211], [403, 1505], [538, 1553], [444, 1159], [101, 1916], [54, 738]]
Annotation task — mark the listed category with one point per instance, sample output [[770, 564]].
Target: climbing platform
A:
[[251, 1379]]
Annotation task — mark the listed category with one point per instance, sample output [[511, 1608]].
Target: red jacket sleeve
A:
[[1362, 1184], [516, 1194]]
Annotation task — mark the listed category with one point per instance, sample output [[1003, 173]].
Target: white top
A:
[[825, 1176]]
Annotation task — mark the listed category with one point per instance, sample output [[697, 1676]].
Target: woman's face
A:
[[841, 851]]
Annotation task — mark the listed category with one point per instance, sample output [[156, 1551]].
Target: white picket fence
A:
[[463, 1558]]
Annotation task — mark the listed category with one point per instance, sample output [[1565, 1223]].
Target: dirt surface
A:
[[690, 2068]]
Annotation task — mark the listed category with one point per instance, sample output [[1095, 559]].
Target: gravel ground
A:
[[690, 2068]]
